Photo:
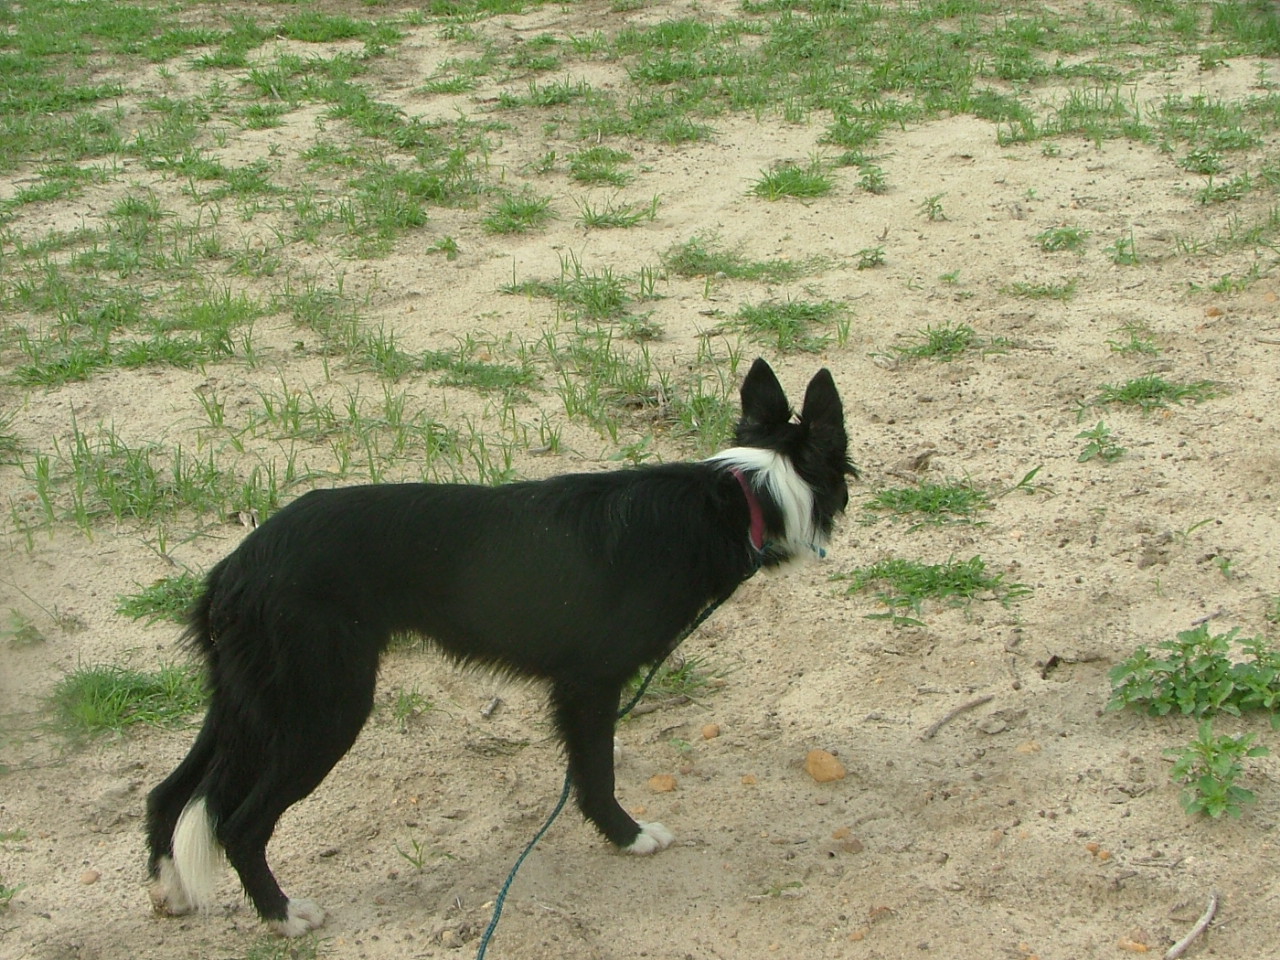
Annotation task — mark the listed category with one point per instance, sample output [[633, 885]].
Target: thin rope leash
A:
[[568, 777]]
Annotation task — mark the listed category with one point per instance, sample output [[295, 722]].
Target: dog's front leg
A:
[[585, 719]]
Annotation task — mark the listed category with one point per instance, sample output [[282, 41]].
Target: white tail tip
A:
[[197, 858]]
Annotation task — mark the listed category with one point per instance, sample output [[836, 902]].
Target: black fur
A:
[[579, 580]]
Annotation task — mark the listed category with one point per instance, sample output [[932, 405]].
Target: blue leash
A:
[[568, 785]]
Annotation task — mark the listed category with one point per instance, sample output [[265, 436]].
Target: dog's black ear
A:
[[822, 406], [763, 401]]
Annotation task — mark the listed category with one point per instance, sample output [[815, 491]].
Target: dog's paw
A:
[[168, 898], [303, 916], [653, 837]]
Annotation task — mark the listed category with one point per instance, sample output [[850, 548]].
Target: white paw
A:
[[304, 916], [653, 837], [167, 894]]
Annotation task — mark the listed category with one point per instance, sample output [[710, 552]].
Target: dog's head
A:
[[800, 461]]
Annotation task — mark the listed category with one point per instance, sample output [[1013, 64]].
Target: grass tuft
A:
[[100, 699]]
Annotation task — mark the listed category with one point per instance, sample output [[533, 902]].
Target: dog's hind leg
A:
[[585, 717], [313, 727], [164, 806]]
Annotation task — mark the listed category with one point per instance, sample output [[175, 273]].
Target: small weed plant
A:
[[1209, 766], [1101, 446], [7, 893], [1195, 675]]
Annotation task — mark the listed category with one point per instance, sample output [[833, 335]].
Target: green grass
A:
[[903, 586], [167, 599], [410, 705], [931, 503], [461, 367], [600, 165], [94, 700], [1137, 339], [584, 294], [1032, 290], [704, 256], [620, 215], [1153, 391], [681, 676], [792, 179], [519, 212], [1057, 239], [788, 325], [941, 344]]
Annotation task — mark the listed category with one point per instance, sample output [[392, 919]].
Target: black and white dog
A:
[[579, 580]]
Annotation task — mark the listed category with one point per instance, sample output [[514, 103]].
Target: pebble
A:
[[711, 731], [90, 876], [662, 783], [823, 766]]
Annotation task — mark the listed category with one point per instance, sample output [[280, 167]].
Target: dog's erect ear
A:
[[822, 406], [763, 401]]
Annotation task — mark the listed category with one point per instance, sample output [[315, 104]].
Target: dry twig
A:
[[943, 721], [1179, 948]]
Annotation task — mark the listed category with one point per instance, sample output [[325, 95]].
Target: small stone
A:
[[1031, 746], [662, 783], [823, 766], [90, 876], [749, 780], [839, 833], [710, 731]]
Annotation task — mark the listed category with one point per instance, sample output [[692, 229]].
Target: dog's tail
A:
[[198, 634], [197, 856]]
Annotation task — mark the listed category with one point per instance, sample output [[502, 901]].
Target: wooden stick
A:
[[939, 724], [1179, 948]]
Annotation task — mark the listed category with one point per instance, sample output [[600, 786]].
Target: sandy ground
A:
[[1032, 824]]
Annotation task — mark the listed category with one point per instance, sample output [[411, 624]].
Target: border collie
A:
[[578, 580]]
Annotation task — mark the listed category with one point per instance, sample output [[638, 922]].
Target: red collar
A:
[[757, 515]]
